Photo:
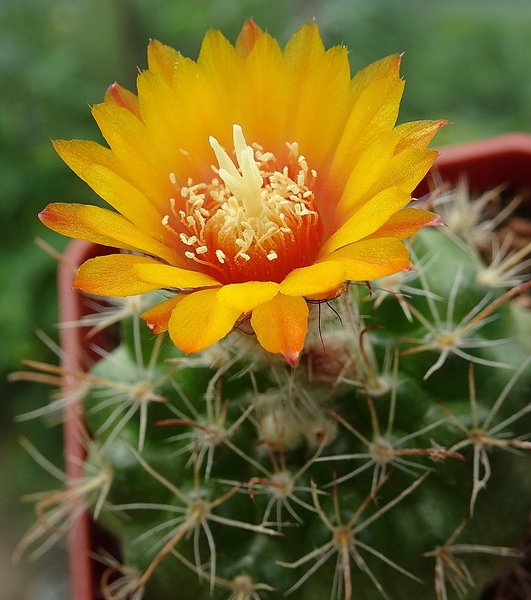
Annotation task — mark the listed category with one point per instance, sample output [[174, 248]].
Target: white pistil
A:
[[247, 187]]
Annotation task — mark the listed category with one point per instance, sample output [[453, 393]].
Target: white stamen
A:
[[272, 255], [189, 241], [173, 179], [221, 256]]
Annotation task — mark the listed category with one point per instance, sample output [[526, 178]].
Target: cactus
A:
[[384, 457]]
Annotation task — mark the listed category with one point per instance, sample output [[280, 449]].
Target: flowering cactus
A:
[[316, 408]]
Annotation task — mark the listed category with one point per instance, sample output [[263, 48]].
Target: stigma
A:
[[245, 184]]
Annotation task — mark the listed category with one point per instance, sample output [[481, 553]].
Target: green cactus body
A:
[[403, 425], [315, 436]]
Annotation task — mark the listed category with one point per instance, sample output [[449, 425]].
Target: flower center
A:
[[253, 221]]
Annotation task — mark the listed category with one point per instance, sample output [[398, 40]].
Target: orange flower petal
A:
[[281, 325], [245, 296], [166, 276], [158, 316], [372, 258], [200, 319], [93, 223], [113, 275], [63, 219], [368, 218], [315, 279], [406, 222]]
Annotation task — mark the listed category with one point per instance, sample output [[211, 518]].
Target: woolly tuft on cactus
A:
[[339, 422]]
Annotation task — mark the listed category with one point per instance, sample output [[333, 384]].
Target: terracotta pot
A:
[[485, 164], [76, 356]]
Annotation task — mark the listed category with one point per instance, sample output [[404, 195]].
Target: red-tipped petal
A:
[[118, 95], [281, 326], [405, 223], [157, 317], [247, 38]]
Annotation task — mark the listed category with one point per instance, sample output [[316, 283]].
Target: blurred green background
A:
[[466, 61]]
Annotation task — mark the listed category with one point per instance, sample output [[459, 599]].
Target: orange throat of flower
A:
[[257, 222]]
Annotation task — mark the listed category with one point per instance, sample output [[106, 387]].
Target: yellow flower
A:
[[248, 183]]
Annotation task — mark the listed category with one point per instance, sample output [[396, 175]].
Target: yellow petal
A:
[[113, 275], [375, 111], [385, 68], [78, 154], [372, 258], [406, 222], [407, 169], [223, 68], [146, 167], [162, 60], [166, 276], [316, 119], [98, 167], [265, 92], [372, 163], [417, 134], [93, 223], [315, 279], [368, 218], [303, 49], [164, 124], [158, 316], [63, 219], [194, 110], [245, 296], [199, 320], [281, 325], [206, 103]]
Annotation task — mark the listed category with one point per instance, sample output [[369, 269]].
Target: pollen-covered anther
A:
[[255, 218]]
